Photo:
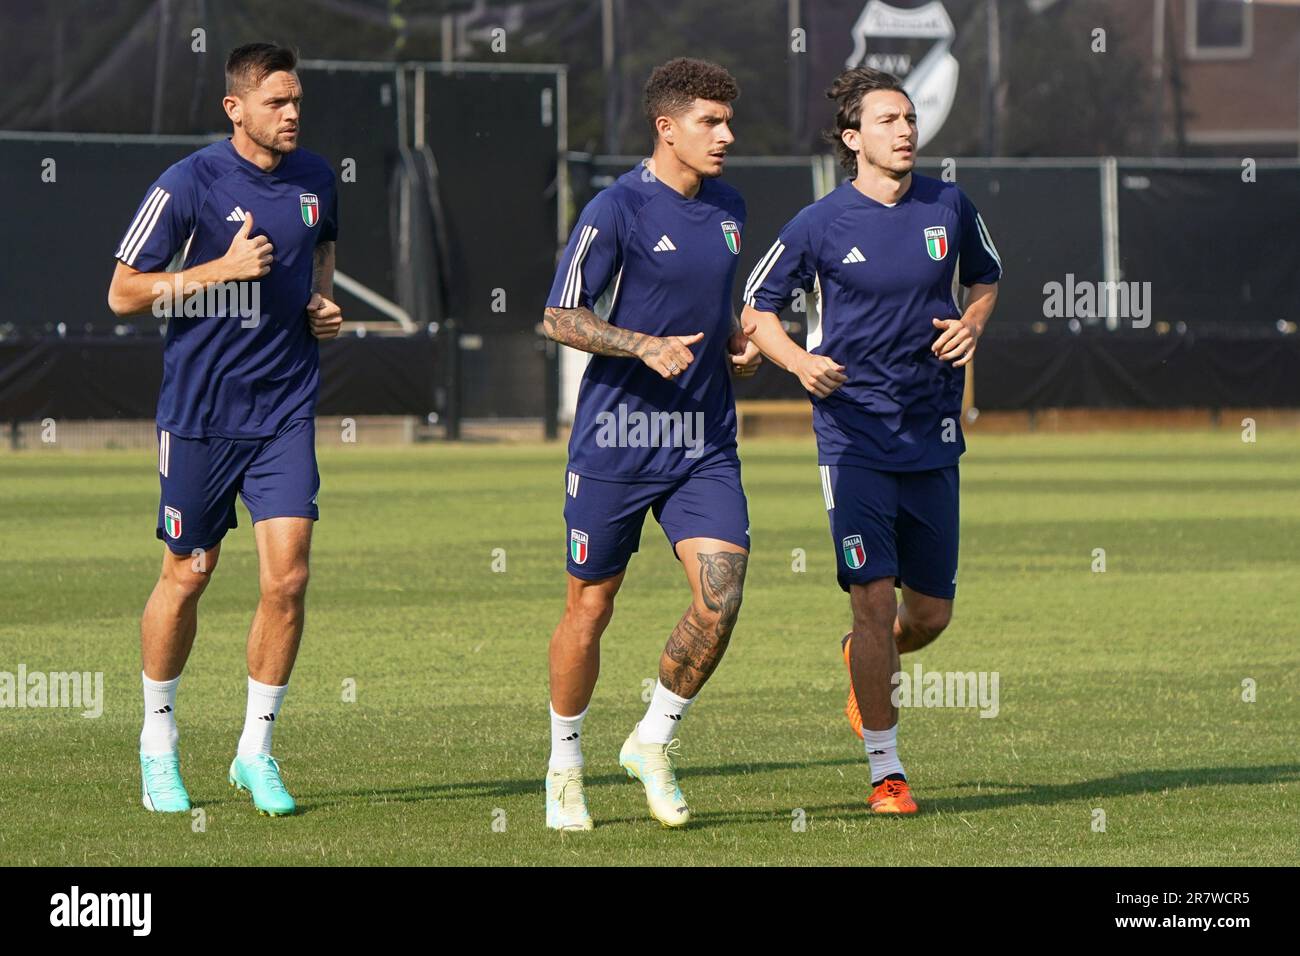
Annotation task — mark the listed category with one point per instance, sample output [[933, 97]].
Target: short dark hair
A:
[[848, 90], [674, 85], [248, 65]]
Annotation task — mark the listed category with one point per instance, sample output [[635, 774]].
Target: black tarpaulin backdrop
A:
[[1215, 249], [103, 378], [119, 378]]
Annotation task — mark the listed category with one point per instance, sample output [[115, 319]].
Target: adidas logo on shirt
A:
[[665, 245], [855, 255], [237, 215]]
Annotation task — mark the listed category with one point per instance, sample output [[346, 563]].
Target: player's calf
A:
[[575, 645], [694, 650], [167, 632], [872, 656], [574, 666]]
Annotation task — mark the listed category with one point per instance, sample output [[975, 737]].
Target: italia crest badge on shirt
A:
[[172, 521], [731, 232], [578, 546], [855, 555], [309, 204], [936, 242]]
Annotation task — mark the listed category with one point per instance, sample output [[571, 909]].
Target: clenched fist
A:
[[324, 316]]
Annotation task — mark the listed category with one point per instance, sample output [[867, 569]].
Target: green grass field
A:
[[1120, 691]]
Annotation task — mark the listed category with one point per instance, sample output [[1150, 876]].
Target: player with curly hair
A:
[[655, 427]]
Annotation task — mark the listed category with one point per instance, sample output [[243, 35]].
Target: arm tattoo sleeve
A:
[[582, 329]]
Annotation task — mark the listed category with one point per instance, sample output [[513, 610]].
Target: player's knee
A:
[[703, 618], [591, 610], [287, 585], [932, 621], [718, 614], [186, 580], [927, 619], [186, 588]]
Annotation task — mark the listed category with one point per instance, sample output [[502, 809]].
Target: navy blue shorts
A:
[[276, 477], [894, 524], [604, 518]]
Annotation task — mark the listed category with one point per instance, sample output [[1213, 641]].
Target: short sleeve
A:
[[592, 257], [978, 257], [790, 264], [162, 224], [329, 228]]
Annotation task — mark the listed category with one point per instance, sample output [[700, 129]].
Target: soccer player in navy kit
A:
[[655, 427], [250, 220], [887, 346]]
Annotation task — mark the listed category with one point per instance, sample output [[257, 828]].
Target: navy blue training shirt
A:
[[221, 379], [878, 275], [667, 264]]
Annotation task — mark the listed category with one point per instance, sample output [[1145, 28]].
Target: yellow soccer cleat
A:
[[652, 764], [566, 801]]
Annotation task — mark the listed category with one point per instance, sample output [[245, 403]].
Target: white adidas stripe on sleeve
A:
[[759, 275], [573, 282], [987, 241], [146, 208], [146, 227]]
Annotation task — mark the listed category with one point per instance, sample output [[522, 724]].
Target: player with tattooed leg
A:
[[655, 427]]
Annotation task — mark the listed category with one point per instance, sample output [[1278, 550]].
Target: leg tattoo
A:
[[699, 640]]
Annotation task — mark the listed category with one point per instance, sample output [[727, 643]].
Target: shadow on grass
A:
[[510, 788], [1003, 795], [999, 795], [1119, 785]]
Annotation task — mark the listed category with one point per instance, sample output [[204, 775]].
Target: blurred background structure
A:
[[1145, 142]]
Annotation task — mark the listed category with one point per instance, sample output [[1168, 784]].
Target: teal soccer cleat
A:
[[260, 775], [162, 790]]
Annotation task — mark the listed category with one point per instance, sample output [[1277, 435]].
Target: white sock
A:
[[159, 735], [882, 753], [566, 741], [259, 719], [663, 716]]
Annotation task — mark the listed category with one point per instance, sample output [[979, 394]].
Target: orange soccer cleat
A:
[[851, 708], [891, 796]]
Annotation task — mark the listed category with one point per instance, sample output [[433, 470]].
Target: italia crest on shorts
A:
[[855, 555], [578, 546], [731, 232], [936, 242], [172, 522], [309, 204]]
